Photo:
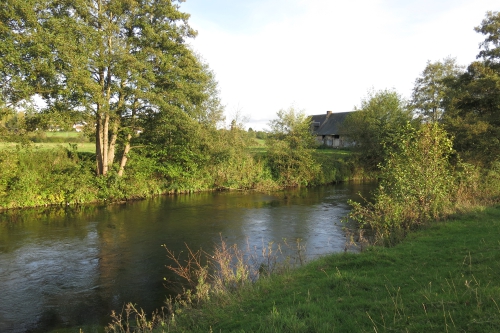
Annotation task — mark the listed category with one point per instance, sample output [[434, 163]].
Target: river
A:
[[69, 268]]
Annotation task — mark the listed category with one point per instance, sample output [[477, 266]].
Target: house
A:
[[79, 126], [327, 126]]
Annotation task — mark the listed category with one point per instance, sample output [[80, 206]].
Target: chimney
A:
[[328, 113]]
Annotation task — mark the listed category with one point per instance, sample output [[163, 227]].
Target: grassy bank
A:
[[441, 279]]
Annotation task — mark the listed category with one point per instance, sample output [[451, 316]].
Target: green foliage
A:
[[106, 62], [472, 106], [336, 166], [491, 183], [490, 27], [261, 135], [191, 156], [417, 184], [472, 114], [233, 165], [430, 88], [34, 178], [292, 126], [289, 153], [374, 124]]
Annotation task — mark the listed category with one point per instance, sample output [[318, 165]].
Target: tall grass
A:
[[208, 278]]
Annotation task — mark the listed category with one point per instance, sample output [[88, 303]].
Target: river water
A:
[[69, 268]]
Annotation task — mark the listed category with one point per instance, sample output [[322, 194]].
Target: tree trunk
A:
[[105, 145], [99, 144], [124, 156], [112, 142], [102, 147]]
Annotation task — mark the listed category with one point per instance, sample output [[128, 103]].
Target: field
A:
[[52, 140]]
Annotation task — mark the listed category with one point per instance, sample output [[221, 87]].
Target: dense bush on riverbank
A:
[[33, 177], [421, 184]]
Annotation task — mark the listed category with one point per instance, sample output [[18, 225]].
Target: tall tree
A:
[[430, 88], [113, 60], [378, 119], [490, 27], [472, 113], [473, 103]]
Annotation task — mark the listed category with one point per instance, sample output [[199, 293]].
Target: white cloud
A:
[[324, 55]]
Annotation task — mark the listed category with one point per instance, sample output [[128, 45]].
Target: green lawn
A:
[[442, 279]]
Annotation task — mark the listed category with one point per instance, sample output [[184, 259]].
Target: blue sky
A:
[[319, 55]]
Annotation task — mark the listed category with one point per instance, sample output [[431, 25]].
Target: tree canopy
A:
[[430, 88], [374, 124], [472, 105], [107, 61]]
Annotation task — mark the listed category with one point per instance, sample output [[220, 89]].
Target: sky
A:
[[326, 55]]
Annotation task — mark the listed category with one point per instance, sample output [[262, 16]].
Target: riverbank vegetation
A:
[[444, 161], [173, 155]]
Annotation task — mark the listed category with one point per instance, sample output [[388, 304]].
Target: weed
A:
[[132, 319]]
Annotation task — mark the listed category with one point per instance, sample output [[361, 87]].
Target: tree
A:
[[289, 155], [490, 27], [473, 102], [472, 113], [294, 127], [111, 60], [430, 88], [374, 124]]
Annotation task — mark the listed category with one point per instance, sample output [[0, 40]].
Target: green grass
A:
[[442, 279], [60, 134], [86, 147], [333, 152], [50, 140], [258, 147], [260, 142]]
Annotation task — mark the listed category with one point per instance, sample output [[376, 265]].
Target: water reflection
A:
[[71, 267]]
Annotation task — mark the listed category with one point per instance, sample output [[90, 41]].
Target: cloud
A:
[[324, 55]]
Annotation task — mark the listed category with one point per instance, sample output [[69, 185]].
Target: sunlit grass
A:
[[54, 140], [86, 147]]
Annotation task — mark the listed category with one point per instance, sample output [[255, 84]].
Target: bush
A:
[[32, 178], [418, 184]]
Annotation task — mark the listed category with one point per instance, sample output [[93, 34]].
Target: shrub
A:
[[417, 184]]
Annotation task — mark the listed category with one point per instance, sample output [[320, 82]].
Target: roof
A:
[[329, 123]]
